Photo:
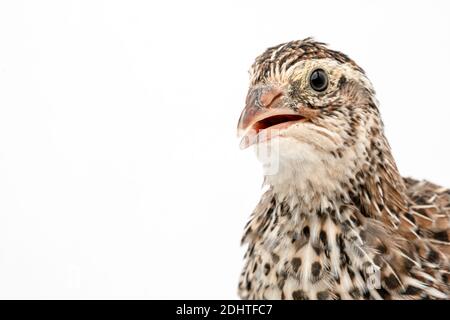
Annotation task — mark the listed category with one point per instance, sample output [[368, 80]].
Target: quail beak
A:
[[264, 116]]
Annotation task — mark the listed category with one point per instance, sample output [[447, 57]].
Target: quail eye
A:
[[318, 80]]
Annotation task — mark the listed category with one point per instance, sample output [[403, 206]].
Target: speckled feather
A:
[[338, 221]]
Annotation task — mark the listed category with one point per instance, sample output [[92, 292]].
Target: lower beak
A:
[[264, 112]]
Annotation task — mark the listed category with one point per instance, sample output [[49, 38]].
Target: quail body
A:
[[336, 220]]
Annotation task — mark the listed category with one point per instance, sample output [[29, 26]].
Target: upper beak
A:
[[264, 108]]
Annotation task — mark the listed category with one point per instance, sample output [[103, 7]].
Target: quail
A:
[[336, 219]]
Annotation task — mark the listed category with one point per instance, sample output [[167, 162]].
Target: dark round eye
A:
[[318, 80]]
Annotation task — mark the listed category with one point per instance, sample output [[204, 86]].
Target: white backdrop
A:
[[120, 172]]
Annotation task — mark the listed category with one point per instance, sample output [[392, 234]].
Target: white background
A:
[[120, 172]]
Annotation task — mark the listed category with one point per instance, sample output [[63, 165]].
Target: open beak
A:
[[264, 116]]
